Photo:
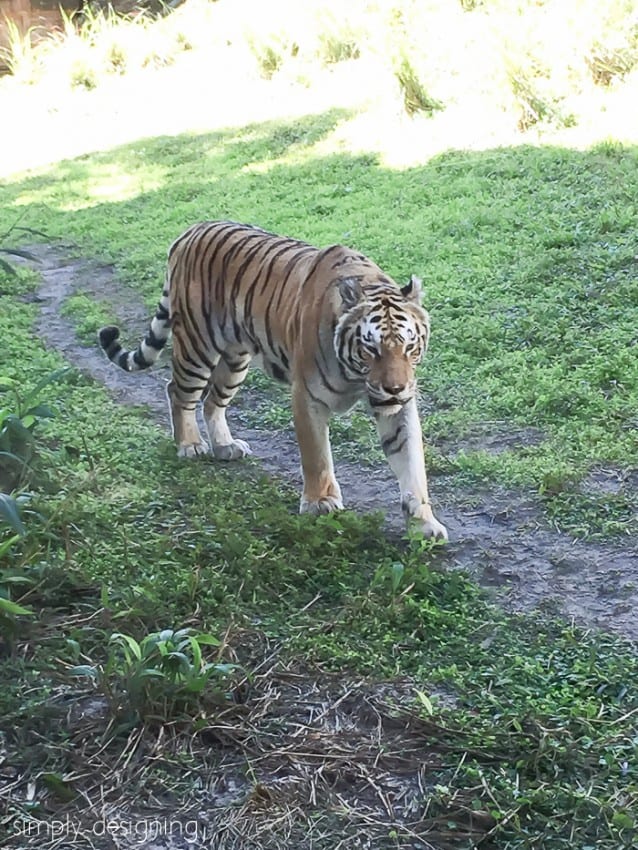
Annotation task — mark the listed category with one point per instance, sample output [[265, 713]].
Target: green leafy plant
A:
[[20, 413], [10, 517], [160, 677], [12, 529]]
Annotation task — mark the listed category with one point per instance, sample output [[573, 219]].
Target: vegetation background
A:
[[173, 634]]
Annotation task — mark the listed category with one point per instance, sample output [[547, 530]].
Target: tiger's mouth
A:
[[388, 405]]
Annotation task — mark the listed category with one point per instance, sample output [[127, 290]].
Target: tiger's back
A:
[[252, 291]]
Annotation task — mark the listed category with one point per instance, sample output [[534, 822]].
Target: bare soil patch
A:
[[301, 759], [498, 536]]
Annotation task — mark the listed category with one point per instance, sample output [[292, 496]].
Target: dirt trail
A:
[[502, 539]]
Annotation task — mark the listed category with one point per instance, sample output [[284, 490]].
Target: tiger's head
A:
[[380, 337]]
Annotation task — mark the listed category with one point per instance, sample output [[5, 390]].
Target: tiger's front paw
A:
[[432, 528], [419, 517], [325, 505], [232, 451], [193, 449]]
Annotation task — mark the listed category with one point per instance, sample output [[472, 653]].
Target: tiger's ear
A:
[[350, 290], [413, 289]]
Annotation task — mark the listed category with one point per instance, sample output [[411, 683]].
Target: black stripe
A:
[[278, 373], [220, 393], [321, 255], [142, 362], [284, 247], [290, 267], [325, 380], [243, 268], [220, 277], [194, 332], [314, 397], [185, 372], [154, 341], [390, 445]]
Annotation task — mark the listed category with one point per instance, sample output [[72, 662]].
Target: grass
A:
[[532, 721], [526, 253], [338, 687]]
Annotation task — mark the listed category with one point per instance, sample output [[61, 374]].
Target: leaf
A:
[[396, 574], [622, 820], [127, 640], [16, 428], [4, 548], [11, 456], [84, 670], [152, 673], [9, 512], [17, 579], [13, 609], [196, 652], [426, 702], [51, 378], [196, 685], [182, 659], [41, 411], [207, 640], [63, 790]]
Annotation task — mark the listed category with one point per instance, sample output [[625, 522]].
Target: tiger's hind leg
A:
[[184, 391], [226, 379]]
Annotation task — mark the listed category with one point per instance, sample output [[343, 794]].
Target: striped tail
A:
[[149, 348]]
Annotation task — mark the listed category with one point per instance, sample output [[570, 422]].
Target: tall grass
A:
[[539, 62]]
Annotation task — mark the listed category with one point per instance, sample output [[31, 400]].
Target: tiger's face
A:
[[381, 338]]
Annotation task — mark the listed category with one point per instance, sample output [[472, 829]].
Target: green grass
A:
[[527, 256], [528, 259]]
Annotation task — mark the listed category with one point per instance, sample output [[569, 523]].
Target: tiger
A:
[[326, 321]]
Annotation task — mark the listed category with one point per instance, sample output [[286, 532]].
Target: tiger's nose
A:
[[393, 389]]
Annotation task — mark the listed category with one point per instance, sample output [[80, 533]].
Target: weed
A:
[[270, 53], [83, 75], [20, 54], [12, 530], [19, 415], [159, 678], [416, 97], [607, 64], [338, 40]]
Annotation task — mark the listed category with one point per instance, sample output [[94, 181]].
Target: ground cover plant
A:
[[185, 658]]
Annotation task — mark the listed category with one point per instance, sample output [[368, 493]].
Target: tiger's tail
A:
[[149, 349]]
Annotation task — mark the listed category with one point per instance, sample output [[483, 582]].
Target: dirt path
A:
[[502, 539]]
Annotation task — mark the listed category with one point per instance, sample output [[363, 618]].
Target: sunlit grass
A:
[[562, 70]]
